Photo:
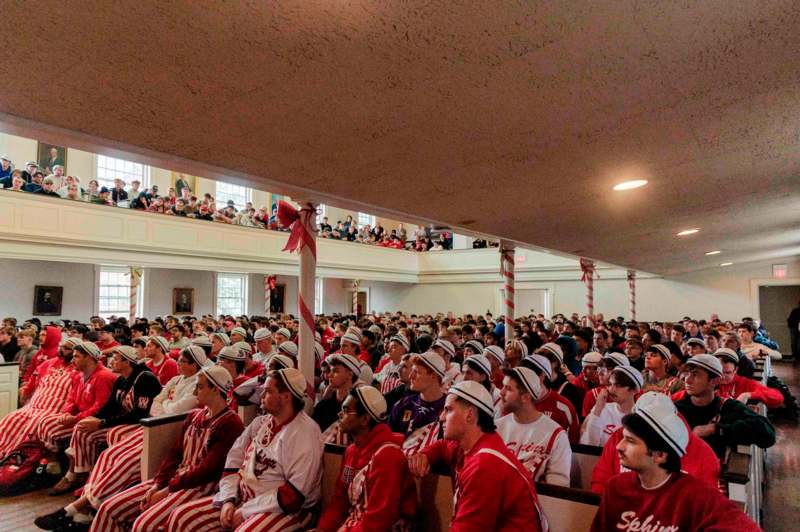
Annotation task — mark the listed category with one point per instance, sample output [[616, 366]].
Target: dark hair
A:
[[678, 327], [487, 382], [746, 326], [622, 379], [584, 334], [654, 335], [637, 425], [361, 409], [297, 404], [602, 332], [485, 421], [424, 342]]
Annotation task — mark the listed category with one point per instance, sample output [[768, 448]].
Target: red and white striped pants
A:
[[50, 431], [85, 446], [117, 467], [121, 512], [17, 426], [201, 516]]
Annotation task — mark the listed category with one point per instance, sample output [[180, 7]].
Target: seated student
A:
[[559, 381], [588, 379], [699, 460], [49, 340], [722, 423], [374, 489], [747, 367], [107, 343], [612, 405], [388, 375], [264, 347], [752, 349], [551, 403], [515, 351], [233, 360], [447, 351], [656, 375], [493, 490], [52, 384], [416, 415], [159, 364], [604, 368], [345, 371], [273, 474], [190, 470], [129, 402], [497, 358], [404, 378], [655, 494], [537, 441], [733, 386], [478, 368], [218, 341]]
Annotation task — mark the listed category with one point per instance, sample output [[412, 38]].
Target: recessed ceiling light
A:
[[627, 185], [726, 264], [715, 252], [688, 232]]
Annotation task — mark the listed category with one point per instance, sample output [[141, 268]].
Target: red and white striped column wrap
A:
[[136, 276], [507, 271], [302, 239], [587, 276], [269, 284], [632, 294], [356, 284]]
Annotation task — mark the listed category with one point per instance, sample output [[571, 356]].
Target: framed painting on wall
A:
[[50, 155], [181, 181], [47, 300], [183, 301]]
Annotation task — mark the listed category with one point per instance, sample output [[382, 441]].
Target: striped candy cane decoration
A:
[[302, 238], [507, 271], [588, 270], [136, 276], [632, 294], [269, 284], [356, 284]]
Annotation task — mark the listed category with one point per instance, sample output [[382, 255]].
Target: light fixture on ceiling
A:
[[628, 185], [726, 264], [687, 232], [715, 252]]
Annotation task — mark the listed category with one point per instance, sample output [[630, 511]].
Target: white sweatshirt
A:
[[541, 446]]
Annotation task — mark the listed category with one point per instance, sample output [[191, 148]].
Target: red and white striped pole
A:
[[507, 271], [356, 284], [136, 276], [269, 284], [302, 239], [587, 276], [632, 294]]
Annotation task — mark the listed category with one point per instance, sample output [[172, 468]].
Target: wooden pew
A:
[[567, 509], [736, 475], [159, 434], [9, 387], [247, 413], [584, 458]]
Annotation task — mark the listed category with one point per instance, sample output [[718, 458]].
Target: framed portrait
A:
[[183, 301], [181, 181], [277, 299], [47, 300], [50, 155]]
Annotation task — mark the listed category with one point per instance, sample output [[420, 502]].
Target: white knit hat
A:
[[373, 402], [90, 349], [475, 345], [555, 350], [633, 374], [219, 377], [696, 341], [348, 361], [543, 364], [231, 353], [475, 394], [592, 358], [479, 363], [282, 360], [662, 350], [446, 346], [222, 337], [432, 360], [495, 351], [127, 352], [618, 358], [353, 336], [365, 373], [658, 411], [288, 348], [402, 340], [262, 334], [529, 379], [161, 342], [729, 355], [240, 331], [708, 362], [519, 344], [244, 347], [72, 342], [283, 331], [295, 381], [196, 353], [202, 340]]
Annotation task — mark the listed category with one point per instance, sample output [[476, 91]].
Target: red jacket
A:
[[87, 396], [562, 412], [491, 493], [771, 397], [47, 350], [682, 503], [699, 461], [390, 490]]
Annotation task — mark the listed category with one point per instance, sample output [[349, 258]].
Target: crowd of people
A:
[[406, 395], [181, 201]]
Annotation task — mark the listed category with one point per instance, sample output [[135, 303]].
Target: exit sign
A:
[[779, 271]]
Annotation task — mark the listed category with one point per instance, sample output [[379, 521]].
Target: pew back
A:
[[159, 434], [584, 458], [9, 387]]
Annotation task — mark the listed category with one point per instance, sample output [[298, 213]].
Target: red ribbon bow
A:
[[271, 282], [631, 275], [587, 267], [301, 223]]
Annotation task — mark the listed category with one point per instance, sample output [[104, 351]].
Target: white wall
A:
[[158, 285], [255, 298], [18, 278]]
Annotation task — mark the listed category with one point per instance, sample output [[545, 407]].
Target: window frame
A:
[[102, 168], [363, 219], [222, 203], [225, 309], [125, 299]]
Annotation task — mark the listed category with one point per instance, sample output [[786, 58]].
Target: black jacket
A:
[[130, 398]]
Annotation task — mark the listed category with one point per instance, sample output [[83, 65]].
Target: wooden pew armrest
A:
[[159, 434]]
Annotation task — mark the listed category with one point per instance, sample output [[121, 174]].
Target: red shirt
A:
[[390, 490], [590, 399], [491, 493], [87, 396], [681, 504], [102, 346], [769, 396], [699, 461], [562, 412], [164, 371]]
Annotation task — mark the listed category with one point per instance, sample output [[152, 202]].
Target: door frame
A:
[[756, 284]]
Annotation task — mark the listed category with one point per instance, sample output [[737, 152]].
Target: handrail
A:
[[155, 421]]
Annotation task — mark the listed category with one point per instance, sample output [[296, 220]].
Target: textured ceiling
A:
[[508, 118]]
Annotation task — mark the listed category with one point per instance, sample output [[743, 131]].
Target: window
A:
[[226, 192], [322, 212], [366, 219], [232, 293], [109, 169], [114, 295], [318, 287]]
